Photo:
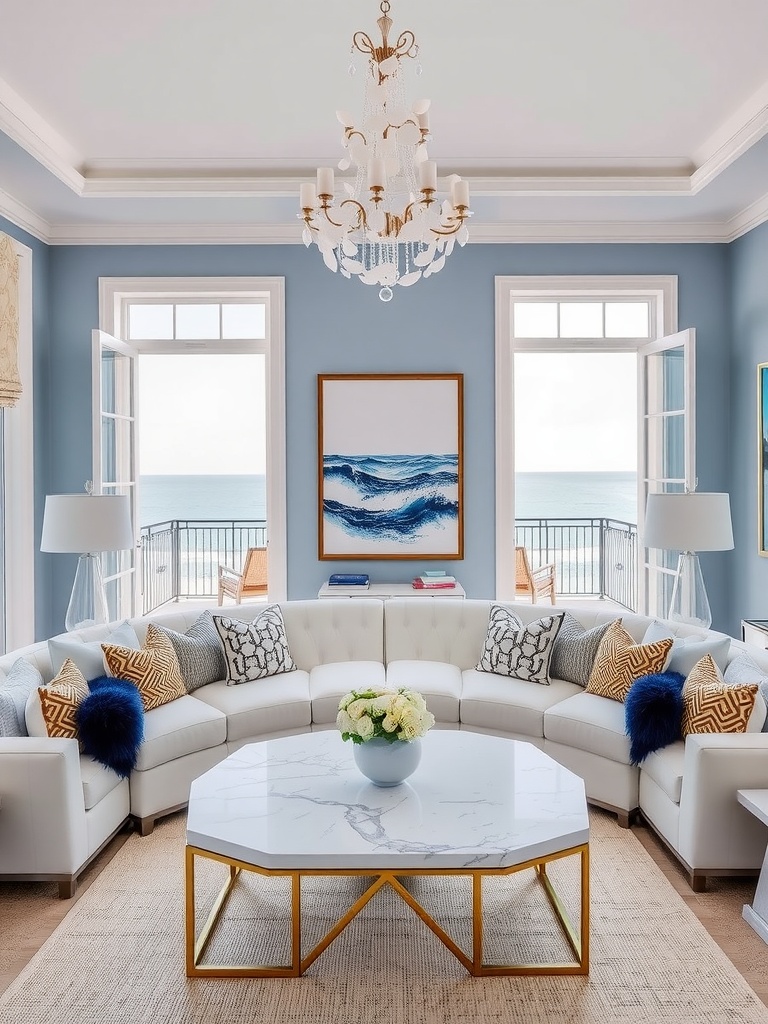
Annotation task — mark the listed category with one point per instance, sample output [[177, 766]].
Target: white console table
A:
[[756, 802], [385, 590]]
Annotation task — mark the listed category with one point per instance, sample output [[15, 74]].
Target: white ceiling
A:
[[195, 120]]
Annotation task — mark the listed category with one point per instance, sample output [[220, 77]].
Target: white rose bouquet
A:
[[389, 714]]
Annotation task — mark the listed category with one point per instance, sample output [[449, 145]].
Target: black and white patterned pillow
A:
[[199, 651], [512, 649], [575, 650], [254, 650]]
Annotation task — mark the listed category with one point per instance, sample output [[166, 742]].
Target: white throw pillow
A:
[[512, 649], [88, 655], [687, 651], [255, 650]]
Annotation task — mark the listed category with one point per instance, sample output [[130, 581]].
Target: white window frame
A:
[[19, 466], [115, 293], [660, 291]]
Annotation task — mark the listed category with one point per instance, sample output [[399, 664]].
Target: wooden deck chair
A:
[[536, 582], [248, 583]]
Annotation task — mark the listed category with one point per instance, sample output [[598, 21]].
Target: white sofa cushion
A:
[[509, 705], [262, 706], [329, 683], [665, 767], [589, 722], [180, 727], [438, 682], [97, 781], [688, 650]]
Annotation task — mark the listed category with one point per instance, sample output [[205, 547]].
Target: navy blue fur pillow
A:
[[653, 711], [110, 723]]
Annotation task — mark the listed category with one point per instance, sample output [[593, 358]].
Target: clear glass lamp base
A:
[[88, 603], [689, 596]]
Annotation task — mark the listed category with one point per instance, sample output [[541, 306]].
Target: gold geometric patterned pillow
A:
[[154, 669], [620, 661], [712, 705], [60, 698]]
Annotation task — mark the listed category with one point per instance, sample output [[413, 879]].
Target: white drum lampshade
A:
[[87, 524], [689, 522]]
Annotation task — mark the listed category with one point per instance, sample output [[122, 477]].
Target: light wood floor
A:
[[718, 909]]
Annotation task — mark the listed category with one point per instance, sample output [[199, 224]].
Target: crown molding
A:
[[750, 217], [20, 122], [175, 234], [745, 127], [20, 215]]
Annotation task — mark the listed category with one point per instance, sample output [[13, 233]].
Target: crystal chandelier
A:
[[388, 227]]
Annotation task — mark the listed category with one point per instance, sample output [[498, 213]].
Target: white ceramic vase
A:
[[385, 763]]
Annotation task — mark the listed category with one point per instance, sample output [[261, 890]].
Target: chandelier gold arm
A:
[[462, 215], [362, 218], [406, 43]]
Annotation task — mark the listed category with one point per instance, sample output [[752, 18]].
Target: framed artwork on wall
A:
[[762, 456], [390, 465]]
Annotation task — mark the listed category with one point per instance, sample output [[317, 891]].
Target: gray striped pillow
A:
[[575, 650], [200, 652]]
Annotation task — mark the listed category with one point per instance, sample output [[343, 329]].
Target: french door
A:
[[667, 451], [115, 470]]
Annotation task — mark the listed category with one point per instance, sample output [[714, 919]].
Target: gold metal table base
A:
[[196, 945]]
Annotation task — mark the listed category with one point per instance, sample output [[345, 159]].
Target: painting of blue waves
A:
[[390, 463], [401, 498]]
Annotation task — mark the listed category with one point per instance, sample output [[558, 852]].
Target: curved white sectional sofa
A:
[[59, 808]]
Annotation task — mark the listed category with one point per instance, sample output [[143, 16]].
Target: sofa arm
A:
[[715, 830], [42, 811]]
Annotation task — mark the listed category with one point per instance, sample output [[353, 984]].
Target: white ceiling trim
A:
[[24, 125], [750, 217], [20, 215], [193, 180]]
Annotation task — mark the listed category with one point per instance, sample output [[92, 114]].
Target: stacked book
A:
[[349, 580], [434, 581]]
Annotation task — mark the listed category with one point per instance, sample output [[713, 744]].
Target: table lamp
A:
[[87, 524], [689, 522]]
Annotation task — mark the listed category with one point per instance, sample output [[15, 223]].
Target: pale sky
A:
[[575, 412], [201, 414], [205, 414]]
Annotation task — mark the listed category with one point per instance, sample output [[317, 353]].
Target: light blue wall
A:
[[749, 291], [40, 390], [334, 325]]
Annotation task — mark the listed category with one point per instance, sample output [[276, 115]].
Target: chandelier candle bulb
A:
[[308, 196], [377, 175], [428, 175], [325, 181], [423, 121], [460, 193]]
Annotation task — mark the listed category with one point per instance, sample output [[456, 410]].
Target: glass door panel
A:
[[667, 450]]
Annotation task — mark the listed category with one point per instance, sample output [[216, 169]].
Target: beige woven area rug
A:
[[118, 955]]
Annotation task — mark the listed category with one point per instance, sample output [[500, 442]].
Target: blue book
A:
[[348, 579]]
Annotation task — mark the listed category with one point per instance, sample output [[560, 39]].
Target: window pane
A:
[[627, 320], [581, 319], [150, 321], [534, 319], [243, 320], [117, 459], [116, 383], [665, 381], [197, 323], [665, 436]]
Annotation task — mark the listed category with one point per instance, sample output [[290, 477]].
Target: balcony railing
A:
[[593, 557], [180, 557]]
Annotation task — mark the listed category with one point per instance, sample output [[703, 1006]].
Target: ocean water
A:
[[537, 495]]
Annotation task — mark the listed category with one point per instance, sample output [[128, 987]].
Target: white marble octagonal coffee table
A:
[[477, 806]]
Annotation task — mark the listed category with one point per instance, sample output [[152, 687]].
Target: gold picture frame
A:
[[390, 466]]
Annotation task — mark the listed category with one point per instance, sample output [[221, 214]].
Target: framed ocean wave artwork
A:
[[390, 465]]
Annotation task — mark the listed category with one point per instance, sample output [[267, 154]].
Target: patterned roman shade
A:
[[10, 385]]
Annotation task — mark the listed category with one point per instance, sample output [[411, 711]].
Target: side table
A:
[[756, 802]]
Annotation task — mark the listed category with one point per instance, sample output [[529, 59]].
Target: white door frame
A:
[[112, 292], [662, 290]]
